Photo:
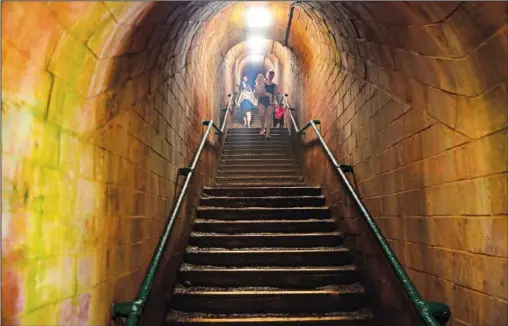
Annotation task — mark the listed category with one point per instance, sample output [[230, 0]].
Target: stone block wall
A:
[[417, 103], [102, 102]]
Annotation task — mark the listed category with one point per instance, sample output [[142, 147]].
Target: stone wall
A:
[[100, 108], [103, 102], [417, 104]]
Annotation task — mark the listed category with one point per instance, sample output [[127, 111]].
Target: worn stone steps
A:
[[261, 184], [286, 141], [268, 156], [255, 131], [259, 179], [256, 161], [268, 256], [275, 201], [257, 151], [265, 191], [264, 226], [293, 277], [248, 240], [232, 213], [275, 137], [262, 173], [268, 147], [264, 249], [358, 318], [268, 300], [251, 167]]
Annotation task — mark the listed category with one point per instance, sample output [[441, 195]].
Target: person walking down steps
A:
[[267, 100], [278, 116]]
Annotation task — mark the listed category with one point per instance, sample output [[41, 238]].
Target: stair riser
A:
[[297, 303], [259, 163], [249, 167], [258, 192], [265, 241], [263, 144], [260, 151], [238, 214], [249, 143], [258, 172], [259, 156], [260, 184], [248, 322], [233, 227], [255, 136], [240, 130], [282, 279], [260, 258], [263, 202], [259, 179]]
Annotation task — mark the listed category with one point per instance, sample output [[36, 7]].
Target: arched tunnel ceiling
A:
[[102, 102]]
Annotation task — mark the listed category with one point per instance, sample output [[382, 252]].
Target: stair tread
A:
[[264, 234], [285, 269], [258, 184], [217, 221], [233, 291], [270, 250], [263, 197], [249, 208], [361, 314], [267, 188]]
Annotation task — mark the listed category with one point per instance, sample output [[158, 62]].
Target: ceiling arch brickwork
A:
[[102, 102]]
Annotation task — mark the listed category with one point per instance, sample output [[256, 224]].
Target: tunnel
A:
[[103, 103]]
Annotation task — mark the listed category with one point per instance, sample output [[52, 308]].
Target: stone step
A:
[[255, 131], [275, 201], [251, 167], [293, 277], [265, 146], [362, 317], [253, 124], [253, 161], [227, 172], [262, 212], [268, 256], [265, 226], [270, 155], [247, 142], [260, 150], [260, 184], [258, 179], [267, 191], [249, 240], [268, 300], [256, 136]]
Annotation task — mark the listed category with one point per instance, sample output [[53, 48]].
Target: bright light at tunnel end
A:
[[255, 58], [257, 17], [256, 43]]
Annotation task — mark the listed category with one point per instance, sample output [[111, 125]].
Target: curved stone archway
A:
[[102, 102]]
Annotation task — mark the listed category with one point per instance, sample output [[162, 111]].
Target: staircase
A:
[[264, 249]]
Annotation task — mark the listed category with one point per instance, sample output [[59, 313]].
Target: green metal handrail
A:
[[431, 313], [132, 310]]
